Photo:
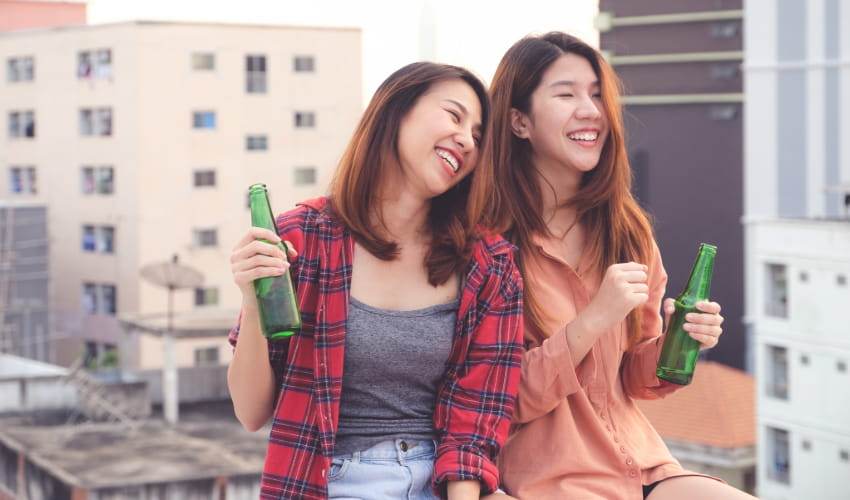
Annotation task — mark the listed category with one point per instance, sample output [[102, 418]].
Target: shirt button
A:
[[616, 439], [623, 449], [629, 461], [632, 473]]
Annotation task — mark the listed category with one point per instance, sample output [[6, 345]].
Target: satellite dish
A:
[[173, 276]]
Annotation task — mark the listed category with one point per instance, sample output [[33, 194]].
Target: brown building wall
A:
[[687, 157]]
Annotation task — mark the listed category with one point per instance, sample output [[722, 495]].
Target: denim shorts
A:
[[390, 470]]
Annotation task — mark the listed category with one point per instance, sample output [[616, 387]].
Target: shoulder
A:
[[307, 217], [493, 259], [492, 246]]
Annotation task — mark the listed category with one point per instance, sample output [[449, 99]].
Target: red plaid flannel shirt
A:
[[474, 401]]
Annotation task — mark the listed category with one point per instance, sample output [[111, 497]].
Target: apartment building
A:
[[141, 139], [680, 67], [797, 227]]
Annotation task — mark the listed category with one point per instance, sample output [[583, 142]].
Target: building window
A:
[[20, 69], [304, 64], [305, 176], [724, 30], [99, 298], [255, 74], [21, 124], [256, 143], [205, 238], [94, 64], [724, 71], [776, 303], [96, 121], [97, 180], [206, 356], [23, 180], [203, 119], [203, 61], [723, 112], [206, 296], [204, 178], [305, 119], [779, 459], [777, 376], [98, 239]]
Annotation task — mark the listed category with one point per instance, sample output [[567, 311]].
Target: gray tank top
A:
[[394, 361]]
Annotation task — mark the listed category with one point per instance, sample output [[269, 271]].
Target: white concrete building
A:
[[797, 228], [142, 138]]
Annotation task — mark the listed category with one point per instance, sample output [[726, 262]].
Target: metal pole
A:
[[170, 397]]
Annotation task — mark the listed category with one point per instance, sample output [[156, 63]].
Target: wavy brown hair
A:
[[604, 203], [452, 219]]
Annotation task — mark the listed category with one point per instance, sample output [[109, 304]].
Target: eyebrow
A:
[[570, 83]]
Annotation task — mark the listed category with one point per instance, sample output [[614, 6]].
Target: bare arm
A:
[[250, 377], [463, 490]]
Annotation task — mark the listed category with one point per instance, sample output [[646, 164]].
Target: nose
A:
[[465, 140], [589, 108]]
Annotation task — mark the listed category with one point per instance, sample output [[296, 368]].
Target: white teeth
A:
[[450, 159], [586, 136]]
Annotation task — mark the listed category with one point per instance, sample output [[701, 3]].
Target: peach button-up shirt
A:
[[576, 432]]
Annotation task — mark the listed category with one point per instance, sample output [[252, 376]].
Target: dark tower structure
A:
[[680, 63]]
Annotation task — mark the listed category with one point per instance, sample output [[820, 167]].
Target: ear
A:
[[519, 123]]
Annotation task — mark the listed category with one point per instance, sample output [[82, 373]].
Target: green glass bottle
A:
[[279, 315], [679, 352]]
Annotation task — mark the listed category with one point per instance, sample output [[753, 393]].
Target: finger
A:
[[255, 273], [257, 233], [704, 319], [259, 260], [669, 306], [706, 341], [636, 276], [290, 250], [708, 307]]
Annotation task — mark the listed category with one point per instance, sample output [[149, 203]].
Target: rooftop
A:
[[207, 443], [717, 409]]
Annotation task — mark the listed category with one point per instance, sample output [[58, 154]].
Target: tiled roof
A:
[[717, 409]]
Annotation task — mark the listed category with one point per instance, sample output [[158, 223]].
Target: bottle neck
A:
[[699, 283], [261, 212]]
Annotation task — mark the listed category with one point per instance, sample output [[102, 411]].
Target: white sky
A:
[[471, 33]]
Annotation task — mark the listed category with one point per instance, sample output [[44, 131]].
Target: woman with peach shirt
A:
[[594, 284]]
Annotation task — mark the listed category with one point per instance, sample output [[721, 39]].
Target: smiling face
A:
[[566, 125], [438, 139]]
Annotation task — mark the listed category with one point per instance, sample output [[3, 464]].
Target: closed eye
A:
[[455, 115]]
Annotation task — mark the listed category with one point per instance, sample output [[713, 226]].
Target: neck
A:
[[558, 185], [404, 218]]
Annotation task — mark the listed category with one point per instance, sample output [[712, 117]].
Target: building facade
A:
[[24, 313], [680, 66], [142, 138], [797, 220]]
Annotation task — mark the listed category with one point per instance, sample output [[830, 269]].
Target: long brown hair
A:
[[604, 204], [373, 148]]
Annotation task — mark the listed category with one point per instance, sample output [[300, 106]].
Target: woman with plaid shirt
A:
[[402, 380]]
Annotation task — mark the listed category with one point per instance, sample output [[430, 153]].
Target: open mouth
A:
[[449, 158], [584, 136]]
